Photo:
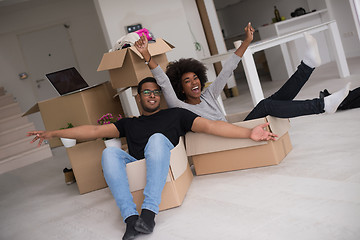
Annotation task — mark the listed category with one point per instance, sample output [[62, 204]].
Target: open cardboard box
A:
[[127, 67], [84, 107], [213, 154], [85, 159]]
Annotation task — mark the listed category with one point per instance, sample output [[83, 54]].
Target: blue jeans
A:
[[157, 155], [281, 103]]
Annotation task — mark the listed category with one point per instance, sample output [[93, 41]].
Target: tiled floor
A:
[[313, 194]]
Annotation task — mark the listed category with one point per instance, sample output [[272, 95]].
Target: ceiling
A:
[[220, 4], [4, 3], [8, 6]]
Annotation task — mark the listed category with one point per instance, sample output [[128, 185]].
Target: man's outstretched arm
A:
[[85, 132], [224, 129]]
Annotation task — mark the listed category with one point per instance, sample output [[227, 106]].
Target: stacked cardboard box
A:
[[84, 107], [127, 67]]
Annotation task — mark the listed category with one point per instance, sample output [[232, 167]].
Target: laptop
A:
[[68, 81]]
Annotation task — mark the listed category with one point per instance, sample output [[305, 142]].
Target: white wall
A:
[[84, 30], [355, 7], [342, 13], [316, 4], [259, 12], [164, 18], [196, 28]]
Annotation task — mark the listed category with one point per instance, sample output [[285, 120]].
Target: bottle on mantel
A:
[[277, 14]]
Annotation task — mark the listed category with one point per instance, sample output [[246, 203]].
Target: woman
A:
[[184, 81]]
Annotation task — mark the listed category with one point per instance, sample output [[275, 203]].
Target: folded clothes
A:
[[129, 39]]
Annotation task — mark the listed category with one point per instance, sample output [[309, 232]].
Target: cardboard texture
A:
[[80, 108], [85, 159], [212, 154], [127, 67]]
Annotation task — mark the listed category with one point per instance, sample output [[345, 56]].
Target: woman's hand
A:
[[249, 31]]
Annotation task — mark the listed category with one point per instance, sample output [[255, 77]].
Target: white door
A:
[[47, 50]]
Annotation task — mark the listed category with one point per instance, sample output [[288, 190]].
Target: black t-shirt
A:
[[172, 123]]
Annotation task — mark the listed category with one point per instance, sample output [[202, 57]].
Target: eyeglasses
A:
[[148, 92]]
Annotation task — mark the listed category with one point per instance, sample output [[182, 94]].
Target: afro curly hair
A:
[[176, 69]]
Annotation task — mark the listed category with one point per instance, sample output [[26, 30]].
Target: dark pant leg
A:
[[352, 100], [294, 84], [286, 109], [280, 104]]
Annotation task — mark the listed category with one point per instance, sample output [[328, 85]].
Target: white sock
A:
[[332, 102], [312, 55]]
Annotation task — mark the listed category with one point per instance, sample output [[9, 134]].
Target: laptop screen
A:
[[67, 80]]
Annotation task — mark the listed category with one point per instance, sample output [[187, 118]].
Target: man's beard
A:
[[150, 110]]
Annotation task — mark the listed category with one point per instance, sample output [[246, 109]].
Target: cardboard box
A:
[[85, 159], [177, 183], [80, 108], [212, 154], [127, 67]]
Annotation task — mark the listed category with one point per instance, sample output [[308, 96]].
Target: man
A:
[[152, 135]]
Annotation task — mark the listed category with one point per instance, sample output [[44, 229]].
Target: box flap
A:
[[136, 172], [200, 143], [157, 48], [32, 110], [112, 60], [169, 44], [279, 126], [178, 159], [237, 117]]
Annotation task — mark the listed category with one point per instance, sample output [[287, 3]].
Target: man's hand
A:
[[39, 135], [142, 46], [259, 133], [249, 31], [84, 132]]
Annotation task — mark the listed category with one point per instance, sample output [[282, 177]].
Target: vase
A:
[[113, 142], [68, 142]]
